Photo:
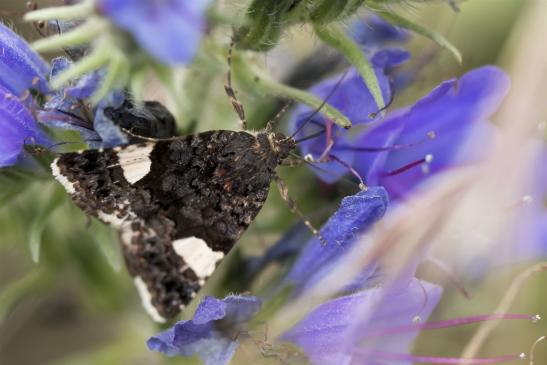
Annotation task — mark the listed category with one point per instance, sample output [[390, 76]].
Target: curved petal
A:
[[208, 333], [452, 113], [20, 67], [350, 329], [355, 215], [18, 128]]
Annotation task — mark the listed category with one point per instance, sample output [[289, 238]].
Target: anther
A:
[[536, 318], [527, 199]]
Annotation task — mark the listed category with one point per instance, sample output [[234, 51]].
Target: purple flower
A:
[[20, 67], [353, 98], [355, 215], [168, 30], [445, 128], [17, 128], [366, 327], [212, 334], [413, 143]]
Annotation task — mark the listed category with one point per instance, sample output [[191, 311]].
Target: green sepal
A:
[[328, 11], [267, 20], [398, 20], [334, 36]]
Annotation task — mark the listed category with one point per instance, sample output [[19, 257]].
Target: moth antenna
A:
[[149, 139], [275, 120], [236, 104], [317, 134], [284, 191], [38, 150], [323, 103]]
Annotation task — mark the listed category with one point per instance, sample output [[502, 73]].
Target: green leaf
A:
[[336, 37], [434, 36], [54, 200], [255, 80]]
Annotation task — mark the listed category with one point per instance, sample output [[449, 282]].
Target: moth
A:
[[179, 204]]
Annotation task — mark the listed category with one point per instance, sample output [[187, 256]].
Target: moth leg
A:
[[284, 191], [236, 104], [292, 162]]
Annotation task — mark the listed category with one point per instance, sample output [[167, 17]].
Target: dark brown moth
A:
[[179, 204]]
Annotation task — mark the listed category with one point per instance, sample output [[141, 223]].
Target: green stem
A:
[[334, 36], [117, 74], [254, 80], [95, 60], [76, 11], [84, 33]]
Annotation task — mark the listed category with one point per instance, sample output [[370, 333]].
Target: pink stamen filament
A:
[[439, 359], [405, 167], [448, 323]]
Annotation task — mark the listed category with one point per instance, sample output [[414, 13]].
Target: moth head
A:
[[281, 145]]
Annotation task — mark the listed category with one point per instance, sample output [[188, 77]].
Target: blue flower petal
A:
[[110, 133], [20, 67], [451, 112], [352, 98], [18, 128], [355, 215], [168, 30], [164, 342], [349, 329], [210, 333]]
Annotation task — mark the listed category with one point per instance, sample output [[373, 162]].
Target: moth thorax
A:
[[278, 144]]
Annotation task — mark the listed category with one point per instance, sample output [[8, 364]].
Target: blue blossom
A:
[[18, 128], [445, 128], [20, 67], [169, 30], [366, 327], [353, 98], [431, 134], [212, 333], [356, 214]]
